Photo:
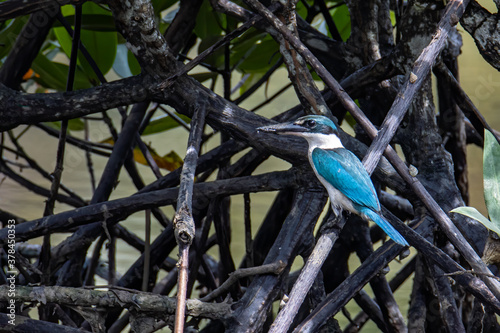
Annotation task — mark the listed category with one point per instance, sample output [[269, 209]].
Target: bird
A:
[[342, 174]]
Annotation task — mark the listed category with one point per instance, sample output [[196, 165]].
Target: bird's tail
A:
[[386, 226]]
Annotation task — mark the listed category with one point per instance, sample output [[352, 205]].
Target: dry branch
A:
[[329, 235], [120, 208], [184, 228], [114, 298], [414, 80]]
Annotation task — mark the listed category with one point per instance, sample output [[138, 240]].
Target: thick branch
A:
[[483, 27], [255, 304], [120, 208], [413, 83], [114, 298], [14, 8], [18, 108]]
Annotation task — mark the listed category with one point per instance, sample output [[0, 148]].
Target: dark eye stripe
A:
[[310, 123], [327, 129]]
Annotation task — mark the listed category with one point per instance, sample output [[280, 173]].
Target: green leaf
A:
[[474, 214], [53, 75], [255, 54], [9, 33], [301, 9], [76, 124], [208, 22], [342, 19], [202, 77], [125, 64], [163, 124], [161, 5], [101, 45], [94, 22], [133, 64], [491, 176]]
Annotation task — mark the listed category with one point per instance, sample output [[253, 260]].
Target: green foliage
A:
[[342, 21], [100, 43], [53, 75], [208, 22], [73, 125], [254, 52], [491, 179], [8, 34], [491, 176], [161, 5], [163, 124], [473, 213]]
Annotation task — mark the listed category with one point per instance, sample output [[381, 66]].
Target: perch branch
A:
[[379, 259], [451, 231], [308, 274], [395, 283]]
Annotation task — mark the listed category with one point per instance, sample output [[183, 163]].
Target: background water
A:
[[479, 80]]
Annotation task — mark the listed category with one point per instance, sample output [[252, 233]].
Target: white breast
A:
[[325, 141], [337, 198], [316, 140]]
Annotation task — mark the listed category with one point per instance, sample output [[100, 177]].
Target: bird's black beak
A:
[[283, 128]]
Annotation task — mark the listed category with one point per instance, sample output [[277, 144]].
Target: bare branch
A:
[[138, 301], [414, 80], [184, 228], [273, 268], [120, 208]]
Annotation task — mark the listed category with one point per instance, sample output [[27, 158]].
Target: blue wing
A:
[[344, 171]]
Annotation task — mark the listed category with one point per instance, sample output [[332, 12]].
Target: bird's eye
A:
[[310, 123]]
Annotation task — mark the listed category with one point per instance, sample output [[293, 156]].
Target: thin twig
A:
[[182, 284], [270, 99], [227, 38], [273, 268], [259, 83], [248, 232], [184, 228], [92, 264], [473, 273], [147, 155], [147, 251], [464, 101]]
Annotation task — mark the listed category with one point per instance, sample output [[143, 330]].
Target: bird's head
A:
[[319, 131]]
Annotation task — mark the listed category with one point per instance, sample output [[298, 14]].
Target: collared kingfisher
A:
[[342, 174]]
